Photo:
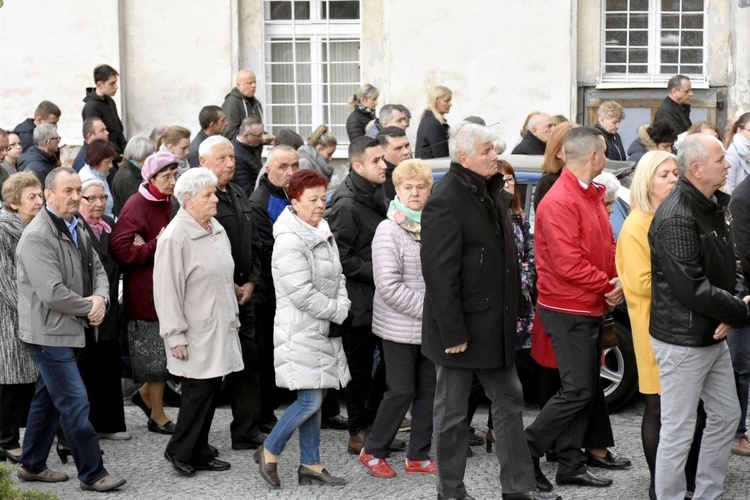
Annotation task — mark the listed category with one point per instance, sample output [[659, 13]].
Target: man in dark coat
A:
[[93, 129], [248, 147], [472, 284], [46, 112], [538, 131], [267, 202], [396, 148], [698, 295], [42, 157], [241, 103], [99, 103], [358, 206], [675, 109], [212, 121], [233, 212]]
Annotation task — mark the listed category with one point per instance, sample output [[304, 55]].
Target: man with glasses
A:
[[41, 158], [248, 146]]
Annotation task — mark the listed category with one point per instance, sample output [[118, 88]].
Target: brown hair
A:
[[552, 164], [507, 169]]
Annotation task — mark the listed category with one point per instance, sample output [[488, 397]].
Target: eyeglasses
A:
[[91, 199], [169, 177], [509, 181], [12, 145], [58, 139]]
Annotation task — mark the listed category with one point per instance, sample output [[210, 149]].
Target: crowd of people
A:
[[237, 283]]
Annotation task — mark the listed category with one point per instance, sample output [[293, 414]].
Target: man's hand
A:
[[457, 349], [98, 310], [723, 329], [245, 293], [180, 352], [615, 296]]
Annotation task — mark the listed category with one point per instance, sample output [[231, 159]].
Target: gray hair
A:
[[692, 150], [276, 149], [51, 179], [499, 144], [191, 183], [249, 123], [611, 185], [208, 144], [92, 182], [534, 121], [387, 112], [581, 142], [464, 137], [139, 148], [675, 83], [43, 133]]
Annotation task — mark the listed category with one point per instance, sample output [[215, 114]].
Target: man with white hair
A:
[[698, 295], [391, 115], [41, 158], [233, 212], [268, 200], [538, 131], [472, 284]]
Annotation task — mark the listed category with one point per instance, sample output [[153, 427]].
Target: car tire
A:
[[619, 371]]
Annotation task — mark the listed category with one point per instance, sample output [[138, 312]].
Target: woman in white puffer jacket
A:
[[397, 319], [310, 296]]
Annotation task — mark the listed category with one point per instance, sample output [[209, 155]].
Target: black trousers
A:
[[359, 346], [410, 377], [100, 365], [15, 401], [243, 387], [270, 395], [563, 422], [189, 442]]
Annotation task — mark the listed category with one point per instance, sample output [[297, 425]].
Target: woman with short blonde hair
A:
[[611, 115], [362, 105]]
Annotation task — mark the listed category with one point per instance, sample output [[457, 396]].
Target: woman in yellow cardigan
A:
[[654, 177]]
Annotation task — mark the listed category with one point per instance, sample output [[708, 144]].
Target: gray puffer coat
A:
[[399, 285], [310, 294]]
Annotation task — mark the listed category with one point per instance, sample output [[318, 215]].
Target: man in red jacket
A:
[[577, 280]]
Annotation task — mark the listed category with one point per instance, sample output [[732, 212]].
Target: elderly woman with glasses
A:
[[198, 316], [100, 361], [99, 157], [141, 223], [22, 195]]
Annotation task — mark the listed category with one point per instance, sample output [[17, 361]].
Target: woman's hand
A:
[[180, 352], [138, 240]]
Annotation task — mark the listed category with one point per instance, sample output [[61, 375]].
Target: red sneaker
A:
[[376, 466], [424, 467]]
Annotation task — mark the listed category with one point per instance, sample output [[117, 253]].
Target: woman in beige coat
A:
[[197, 308]]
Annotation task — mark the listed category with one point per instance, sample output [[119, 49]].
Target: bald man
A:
[[241, 103]]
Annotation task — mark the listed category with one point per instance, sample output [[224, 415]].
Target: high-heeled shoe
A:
[[306, 475], [7, 455], [268, 471], [489, 438], [63, 452]]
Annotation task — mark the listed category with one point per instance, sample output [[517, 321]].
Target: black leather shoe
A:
[[611, 461], [531, 495], [183, 468], [305, 475], [268, 471], [336, 422], [214, 451], [542, 483], [213, 465], [250, 444], [167, 428], [584, 479], [137, 400]]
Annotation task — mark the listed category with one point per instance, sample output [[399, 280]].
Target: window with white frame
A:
[[648, 41], [311, 54]]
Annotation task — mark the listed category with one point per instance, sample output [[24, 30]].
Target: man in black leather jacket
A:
[[698, 294]]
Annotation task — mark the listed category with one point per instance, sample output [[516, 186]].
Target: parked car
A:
[[619, 372]]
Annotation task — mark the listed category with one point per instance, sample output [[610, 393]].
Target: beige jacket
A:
[[195, 300]]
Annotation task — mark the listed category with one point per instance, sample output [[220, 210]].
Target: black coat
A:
[[432, 137], [37, 162], [125, 184], [80, 160], [267, 202], [25, 132], [677, 115], [105, 108], [470, 269], [530, 145], [357, 208], [615, 148], [545, 183], [357, 122], [248, 163], [236, 218], [109, 329], [696, 280], [193, 157]]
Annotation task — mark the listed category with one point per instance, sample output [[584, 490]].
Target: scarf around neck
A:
[[97, 226], [742, 145], [407, 219]]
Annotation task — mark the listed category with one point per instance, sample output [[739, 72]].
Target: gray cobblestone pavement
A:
[[150, 477]]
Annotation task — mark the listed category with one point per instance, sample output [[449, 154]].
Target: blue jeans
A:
[[60, 397], [304, 414], [738, 342]]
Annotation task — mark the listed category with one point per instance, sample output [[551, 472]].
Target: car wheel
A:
[[619, 372]]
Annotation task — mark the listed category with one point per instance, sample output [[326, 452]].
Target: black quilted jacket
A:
[[696, 280]]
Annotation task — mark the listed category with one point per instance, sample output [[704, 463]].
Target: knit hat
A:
[[156, 163]]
